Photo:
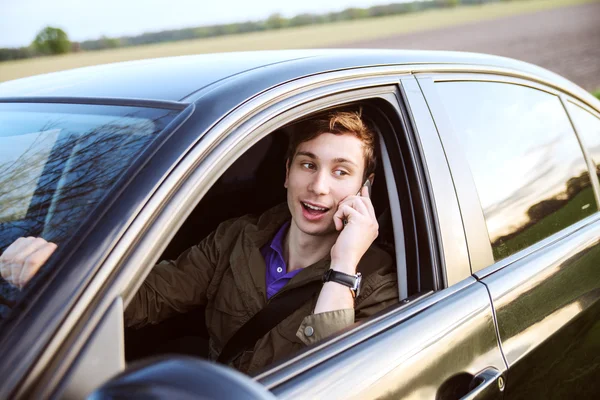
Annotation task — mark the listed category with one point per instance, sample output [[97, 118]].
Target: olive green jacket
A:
[[226, 273]]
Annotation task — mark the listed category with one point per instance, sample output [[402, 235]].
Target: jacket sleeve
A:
[[175, 286], [378, 291]]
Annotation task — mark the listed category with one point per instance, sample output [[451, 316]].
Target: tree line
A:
[[52, 40]]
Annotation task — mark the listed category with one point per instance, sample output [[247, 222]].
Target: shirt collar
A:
[[278, 239]]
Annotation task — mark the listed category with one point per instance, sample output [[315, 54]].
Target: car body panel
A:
[[548, 311], [456, 258], [430, 354], [169, 79], [177, 78]]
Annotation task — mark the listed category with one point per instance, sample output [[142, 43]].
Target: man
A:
[[245, 262]]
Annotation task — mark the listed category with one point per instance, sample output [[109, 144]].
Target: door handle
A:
[[488, 384]]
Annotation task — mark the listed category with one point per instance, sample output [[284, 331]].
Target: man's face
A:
[[323, 172]]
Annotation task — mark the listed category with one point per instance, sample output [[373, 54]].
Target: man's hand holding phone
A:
[[357, 234]]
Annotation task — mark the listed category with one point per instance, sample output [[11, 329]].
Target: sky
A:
[[20, 20]]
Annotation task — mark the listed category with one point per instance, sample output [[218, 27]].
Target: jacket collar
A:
[[269, 223]]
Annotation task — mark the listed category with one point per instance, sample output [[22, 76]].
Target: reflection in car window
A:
[[588, 127], [58, 160], [525, 159]]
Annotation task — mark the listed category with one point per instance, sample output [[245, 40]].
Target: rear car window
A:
[[588, 128], [57, 161], [527, 164]]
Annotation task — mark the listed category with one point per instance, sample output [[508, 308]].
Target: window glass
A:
[[525, 159], [57, 161], [588, 127]]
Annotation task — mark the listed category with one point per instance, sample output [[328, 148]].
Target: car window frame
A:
[[261, 126], [250, 131], [479, 245], [566, 99], [455, 263]]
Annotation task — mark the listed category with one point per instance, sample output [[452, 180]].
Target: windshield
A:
[[58, 160]]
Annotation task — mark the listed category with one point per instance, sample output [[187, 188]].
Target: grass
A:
[[597, 94], [303, 37]]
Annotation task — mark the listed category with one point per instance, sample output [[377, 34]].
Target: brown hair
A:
[[338, 123]]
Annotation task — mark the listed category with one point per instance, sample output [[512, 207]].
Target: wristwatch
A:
[[351, 281]]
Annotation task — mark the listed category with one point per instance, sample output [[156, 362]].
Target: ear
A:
[[287, 172], [372, 178]]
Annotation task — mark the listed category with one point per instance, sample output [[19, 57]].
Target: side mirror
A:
[[180, 377]]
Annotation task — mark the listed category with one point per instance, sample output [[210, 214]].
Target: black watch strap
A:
[[351, 281]]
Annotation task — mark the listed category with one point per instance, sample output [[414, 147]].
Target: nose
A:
[[319, 185]]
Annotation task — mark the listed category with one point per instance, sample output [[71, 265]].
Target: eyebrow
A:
[[307, 154], [344, 160], [335, 160]]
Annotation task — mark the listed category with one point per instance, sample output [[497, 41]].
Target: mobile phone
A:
[[368, 185]]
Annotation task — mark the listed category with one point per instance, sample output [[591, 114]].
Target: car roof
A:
[[176, 78]]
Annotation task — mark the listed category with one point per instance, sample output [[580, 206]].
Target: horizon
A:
[[19, 26]]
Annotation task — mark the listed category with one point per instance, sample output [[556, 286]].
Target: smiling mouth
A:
[[313, 209]]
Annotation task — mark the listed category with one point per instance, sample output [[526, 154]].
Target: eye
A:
[[308, 165], [340, 172]]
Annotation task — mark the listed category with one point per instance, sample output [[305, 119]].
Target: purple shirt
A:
[[276, 273]]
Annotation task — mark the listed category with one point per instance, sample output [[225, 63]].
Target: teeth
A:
[[314, 208]]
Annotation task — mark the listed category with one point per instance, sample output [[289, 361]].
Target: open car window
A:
[[253, 184]]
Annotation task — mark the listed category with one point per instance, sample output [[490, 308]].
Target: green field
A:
[[292, 38]]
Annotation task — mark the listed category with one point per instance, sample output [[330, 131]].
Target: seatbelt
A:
[[266, 319]]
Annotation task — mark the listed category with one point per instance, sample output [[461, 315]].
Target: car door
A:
[[440, 344], [528, 192]]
